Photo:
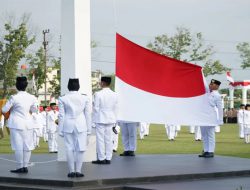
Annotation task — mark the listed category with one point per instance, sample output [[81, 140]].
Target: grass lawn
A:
[[228, 143]]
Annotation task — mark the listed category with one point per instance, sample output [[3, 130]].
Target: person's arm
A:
[[60, 116], [87, 114], [96, 106], [8, 105], [220, 110]]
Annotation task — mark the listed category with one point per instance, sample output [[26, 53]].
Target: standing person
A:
[[247, 123], [208, 132], [240, 119], [197, 133], [19, 122], [44, 121], [129, 137], [191, 129], [104, 116], [170, 131], [37, 127], [74, 125], [52, 117]]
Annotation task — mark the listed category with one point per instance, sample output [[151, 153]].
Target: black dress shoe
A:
[[78, 174], [20, 170], [203, 155], [114, 151], [25, 170], [131, 153], [209, 155], [72, 174], [125, 153], [108, 161], [99, 162]]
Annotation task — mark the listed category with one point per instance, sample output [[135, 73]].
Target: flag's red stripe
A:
[[155, 73]]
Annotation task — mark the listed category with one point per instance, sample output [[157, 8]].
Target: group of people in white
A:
[[77, 117], [243, 118]]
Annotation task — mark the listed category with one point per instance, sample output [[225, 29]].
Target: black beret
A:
[[242, 105], [52, 104], [215, 82], [73, 84], [106, 79]]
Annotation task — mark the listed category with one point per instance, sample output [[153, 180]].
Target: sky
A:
[[223, 23]]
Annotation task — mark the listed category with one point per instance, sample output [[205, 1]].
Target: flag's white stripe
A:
[[141, 106]]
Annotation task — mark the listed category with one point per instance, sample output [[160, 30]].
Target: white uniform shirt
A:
[[216, 102], [74, 112], [240, 116], [247, 118], [105, 106], [20, 106], [52, 117]]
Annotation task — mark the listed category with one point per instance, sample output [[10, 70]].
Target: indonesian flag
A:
[[154, 88], [229, 78]]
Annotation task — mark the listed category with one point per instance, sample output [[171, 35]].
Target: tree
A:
[[37, 67], [55, 89], [187, 47], [244, 49], [12, 50]]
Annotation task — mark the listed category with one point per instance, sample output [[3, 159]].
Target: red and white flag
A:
[[154, 88], [229, 77]]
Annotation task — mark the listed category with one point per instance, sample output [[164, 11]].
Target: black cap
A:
[[52, 104], [106, 79], [21, 83], [73, 84], [241, 105], [216, 82]]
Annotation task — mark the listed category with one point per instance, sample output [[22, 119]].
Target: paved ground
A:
[[142, 167]]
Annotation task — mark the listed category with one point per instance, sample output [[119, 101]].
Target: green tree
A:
[[12, 50], [187, 47], [37, 67], [244, 49], [55, 88]]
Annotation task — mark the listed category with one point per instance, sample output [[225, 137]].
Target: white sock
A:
[[26, 158], [19, 158], [71, 160], [79, 160]]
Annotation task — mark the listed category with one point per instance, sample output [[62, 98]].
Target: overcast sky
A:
[[224, 23]]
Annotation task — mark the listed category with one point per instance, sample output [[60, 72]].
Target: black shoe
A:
[[114, 150], [99, 162], [203, 155], [209, 155], [125, 153], [131, 153], [25, 170], [108, 161], [72, 174], [20, 170], [79, 174]]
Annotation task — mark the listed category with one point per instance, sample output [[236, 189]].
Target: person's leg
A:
[[211, 139], [125, 136], [108, 141], [17, 146], [132, 128], [100, 146], [70, 152]]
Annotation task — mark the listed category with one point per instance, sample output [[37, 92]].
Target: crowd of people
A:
[[74, 120]]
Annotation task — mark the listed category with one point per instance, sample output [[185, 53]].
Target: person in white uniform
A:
[[129, 137], [105, 106], [44, 121], [143, 130], [52, 117], [170, 131], [21, 105], [192, 129], [247, 123], [208, 132], [240, 119], [74, 125], [37, 127], [197, 133]]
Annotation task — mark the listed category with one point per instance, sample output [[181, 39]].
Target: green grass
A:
[[228, 143]]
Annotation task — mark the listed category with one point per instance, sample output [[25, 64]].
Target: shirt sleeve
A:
[[87, 113], [220, 109], [60, 115], [8, 105], [96, 106]]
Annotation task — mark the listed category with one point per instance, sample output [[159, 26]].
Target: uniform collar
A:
[[73, 92]]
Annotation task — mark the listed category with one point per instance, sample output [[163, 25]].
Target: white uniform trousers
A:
[[22, 144], [192, 129], [45, 134], [104, 144], [142, 129], [197, 133], [76, 144], [170, 130], [52, 142], [208, 136], [129, 131], [241, 130]]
